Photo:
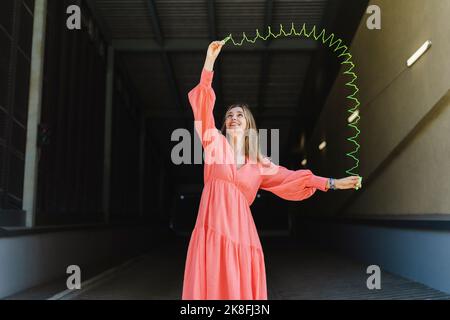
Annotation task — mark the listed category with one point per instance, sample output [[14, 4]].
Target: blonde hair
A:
[[252, 145]]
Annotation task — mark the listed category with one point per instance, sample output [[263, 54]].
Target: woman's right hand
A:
[[214, 49]]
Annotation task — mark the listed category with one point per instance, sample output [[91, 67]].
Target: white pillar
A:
[[107, 135], [34, 111]]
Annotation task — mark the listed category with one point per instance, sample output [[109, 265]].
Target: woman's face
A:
[[235, 121]]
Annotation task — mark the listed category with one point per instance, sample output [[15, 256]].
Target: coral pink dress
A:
[[225, 259]]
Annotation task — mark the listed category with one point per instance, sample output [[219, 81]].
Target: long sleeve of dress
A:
[[294, 185], [202, 99]]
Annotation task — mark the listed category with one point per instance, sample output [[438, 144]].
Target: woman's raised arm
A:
[[212, 54], [202, 97]]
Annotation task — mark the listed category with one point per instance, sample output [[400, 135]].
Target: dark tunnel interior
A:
[[91, 119]]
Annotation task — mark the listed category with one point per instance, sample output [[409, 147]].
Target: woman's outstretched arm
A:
[[300, 184], [294, 185]]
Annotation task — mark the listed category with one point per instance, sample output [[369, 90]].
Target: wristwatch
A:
[[332, 185]]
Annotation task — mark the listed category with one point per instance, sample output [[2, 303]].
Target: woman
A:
[[225, 259]]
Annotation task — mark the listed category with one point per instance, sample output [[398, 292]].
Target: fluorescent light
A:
[[418, 53], [353, 116], [322, 145], [304, 162]]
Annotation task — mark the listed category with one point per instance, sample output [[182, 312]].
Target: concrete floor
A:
[[300, 273], [294, 272]]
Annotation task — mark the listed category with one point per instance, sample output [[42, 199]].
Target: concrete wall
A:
[[405, 117], [35, 259]]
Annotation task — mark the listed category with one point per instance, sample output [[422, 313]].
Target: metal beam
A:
[[100, 21], [122, 66], [109, 96], [173, 86], [154, 19], [142, 146], [199, 45], [167, 64]]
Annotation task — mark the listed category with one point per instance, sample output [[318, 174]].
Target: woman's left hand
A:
[[352, 182]]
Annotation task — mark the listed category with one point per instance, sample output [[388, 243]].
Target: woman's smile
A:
[[235, 118]]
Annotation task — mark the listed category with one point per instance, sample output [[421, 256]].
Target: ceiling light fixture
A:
[[418, 53]]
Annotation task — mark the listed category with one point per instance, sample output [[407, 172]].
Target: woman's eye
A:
[[240, 115]]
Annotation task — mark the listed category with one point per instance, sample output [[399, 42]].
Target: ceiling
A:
[[162, 44]]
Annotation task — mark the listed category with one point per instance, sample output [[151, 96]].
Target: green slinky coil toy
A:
[[338, 47]]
